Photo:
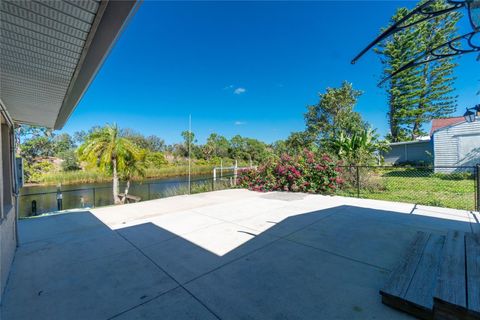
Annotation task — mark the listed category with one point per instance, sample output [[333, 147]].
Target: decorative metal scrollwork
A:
[[467, 43], [449, 49]]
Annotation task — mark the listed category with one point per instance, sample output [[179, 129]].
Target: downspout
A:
[[15, 191], [15, 188]]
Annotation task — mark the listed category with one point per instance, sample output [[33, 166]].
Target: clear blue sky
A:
[[247, 68]]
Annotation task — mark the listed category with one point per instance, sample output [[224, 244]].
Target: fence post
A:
[[34, 207], [358, 182], [235, 173], [59, 198], [93, 198], [477, 187]]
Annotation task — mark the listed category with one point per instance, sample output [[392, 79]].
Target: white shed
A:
[[457, 144]]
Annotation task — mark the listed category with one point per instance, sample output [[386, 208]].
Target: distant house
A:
[[453, 142]]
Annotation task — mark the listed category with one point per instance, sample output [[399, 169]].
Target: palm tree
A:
[[133, 167], [113, 154]]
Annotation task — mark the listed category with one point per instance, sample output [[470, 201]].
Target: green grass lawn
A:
[[422, 189]]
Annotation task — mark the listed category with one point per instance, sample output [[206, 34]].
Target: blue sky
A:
[[247, 68]]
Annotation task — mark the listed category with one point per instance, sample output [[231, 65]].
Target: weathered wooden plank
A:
[[406, 306], [396, 288], [443, 311], [451, 286], [422, 287], [400, 278], [472, 249]]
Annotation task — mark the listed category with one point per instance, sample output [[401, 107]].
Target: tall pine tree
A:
[[401, 89], [419, 94]]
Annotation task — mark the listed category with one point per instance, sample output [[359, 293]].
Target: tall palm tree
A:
[[113, 154]]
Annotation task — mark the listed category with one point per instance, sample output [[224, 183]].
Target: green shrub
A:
[[70, 160], [34, 171], [155, 159]]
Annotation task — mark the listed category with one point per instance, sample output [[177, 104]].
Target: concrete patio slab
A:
[[271, 222], [432, 221], [371, 241], [69, 248], [134, 211], [45, 227], [96, 289], [185, 261], [220, 239], [400, 207], [174, 305], [231, 254], [290, 281], [145, 234], [160, 228], [232, 211]]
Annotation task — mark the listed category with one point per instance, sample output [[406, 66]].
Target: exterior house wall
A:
[[8, 244], [420, 151], [8, 239], [457, 145]]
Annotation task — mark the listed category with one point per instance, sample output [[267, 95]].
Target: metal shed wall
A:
[[458, 145], [418, 151]]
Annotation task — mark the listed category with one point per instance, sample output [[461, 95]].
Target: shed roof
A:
[[440, 123], [50, 51], [409, 142]]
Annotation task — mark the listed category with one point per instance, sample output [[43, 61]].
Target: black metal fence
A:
[[450, 187], [32, 204]]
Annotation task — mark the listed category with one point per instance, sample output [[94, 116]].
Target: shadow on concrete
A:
[[321, 264]]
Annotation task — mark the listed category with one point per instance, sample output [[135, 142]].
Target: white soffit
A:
[[50, 50]]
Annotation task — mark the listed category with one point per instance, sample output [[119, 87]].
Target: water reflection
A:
[[43, 199]]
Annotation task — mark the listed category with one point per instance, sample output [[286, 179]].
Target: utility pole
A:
[[189, 156]]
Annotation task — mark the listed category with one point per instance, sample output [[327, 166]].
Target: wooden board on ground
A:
[[411, 285], [451, 279], [450, 299], [472, 250], [422, 286]]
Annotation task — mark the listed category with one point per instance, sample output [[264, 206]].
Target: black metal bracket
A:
[[440, 53], [417, 15]]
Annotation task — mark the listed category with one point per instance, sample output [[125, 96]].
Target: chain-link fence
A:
[[449, 187]]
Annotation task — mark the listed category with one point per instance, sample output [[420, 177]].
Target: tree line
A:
[[44, 151], [331, 126]]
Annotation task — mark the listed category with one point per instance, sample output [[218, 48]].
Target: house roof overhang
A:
[[50, 51]]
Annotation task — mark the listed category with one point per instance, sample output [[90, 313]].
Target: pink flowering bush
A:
[[304, 173]]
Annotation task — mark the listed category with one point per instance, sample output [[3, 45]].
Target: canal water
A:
[[35, 200]]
